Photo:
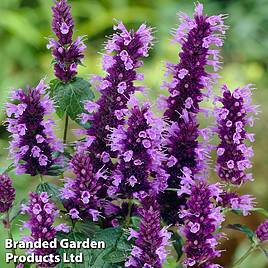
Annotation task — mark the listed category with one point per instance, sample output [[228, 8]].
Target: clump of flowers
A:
[[199, 38], [202, 218], [33, 142], [232, 118], [42, 214], [80, 194], [7, 193], [123, 56], [150, 248], [66, 52], [262, 231], [140, 156]]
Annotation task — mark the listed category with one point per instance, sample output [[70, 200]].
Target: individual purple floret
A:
[[140, 156], [202, 218], [199, 38], [33, 141], [232, 118], [124, 52], [80, 194], [66, 52], [42, 217], [7, 193], [149, 249], [262, 231]]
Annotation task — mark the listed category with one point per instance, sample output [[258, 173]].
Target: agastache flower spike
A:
[[140, 156], [232, 119], [189, 79], [67, 53], [42, 217], [33, 141], [124, 52], [7, 193], [150, 247], [80, 194], [262, 231], [202, 218]]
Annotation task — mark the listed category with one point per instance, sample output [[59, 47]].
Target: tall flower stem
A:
[[249, 251], [65, 129], [10, 236]]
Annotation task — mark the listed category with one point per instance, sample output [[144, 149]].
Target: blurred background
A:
[[24, 59]]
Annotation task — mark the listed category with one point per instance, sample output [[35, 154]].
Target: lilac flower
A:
[[67, 53], [232, 118], [262, 231], [81, 194], [42, 217], [140, 156], [151, 241], [202, 218], [7, 193], [244, 203], [128, 47], [198, 37], [33, 141]]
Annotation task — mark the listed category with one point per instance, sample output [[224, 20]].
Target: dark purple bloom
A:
[[232, 118], [42, 217], [151, 241], [7, 193], [81, 193], [33, 141], [140, 156], [262, 231], [67, 53], [124, 52], [202, 218], [198, 37]]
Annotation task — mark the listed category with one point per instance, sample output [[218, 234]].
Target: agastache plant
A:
[[7, 193], [33, 141], [124, 52], [66, 52], [202, 219], [151, 241], [139, 153], [42, 213], [199, 38], [81, 194]]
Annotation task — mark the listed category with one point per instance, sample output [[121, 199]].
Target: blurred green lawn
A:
[[24, 59]]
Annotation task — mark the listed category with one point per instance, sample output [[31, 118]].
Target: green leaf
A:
[[177, 244], [260, 210], [70, 97], [116, 251], [50, 188], [244, 229], [88, 228], [135, 222], [7, 169], [15, 210]]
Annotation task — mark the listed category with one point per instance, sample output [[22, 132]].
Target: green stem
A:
[[10, 236], [41, 178], [65, 129], [250, 250], [129, 213]]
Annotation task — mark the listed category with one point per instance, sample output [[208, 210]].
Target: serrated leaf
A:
[[88, 228], [244, 229], [50, 188], [70, 97]]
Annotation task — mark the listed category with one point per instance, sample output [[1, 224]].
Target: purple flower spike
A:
[[7, 193], [232, 118], [140, 156], [33, 141], [151, 241], [124, 52], [80, 194], [262, 231], [67, 53], [199, 37], [202, 218], [42, 217]]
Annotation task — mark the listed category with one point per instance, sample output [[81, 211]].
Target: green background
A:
[[24, 59]]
